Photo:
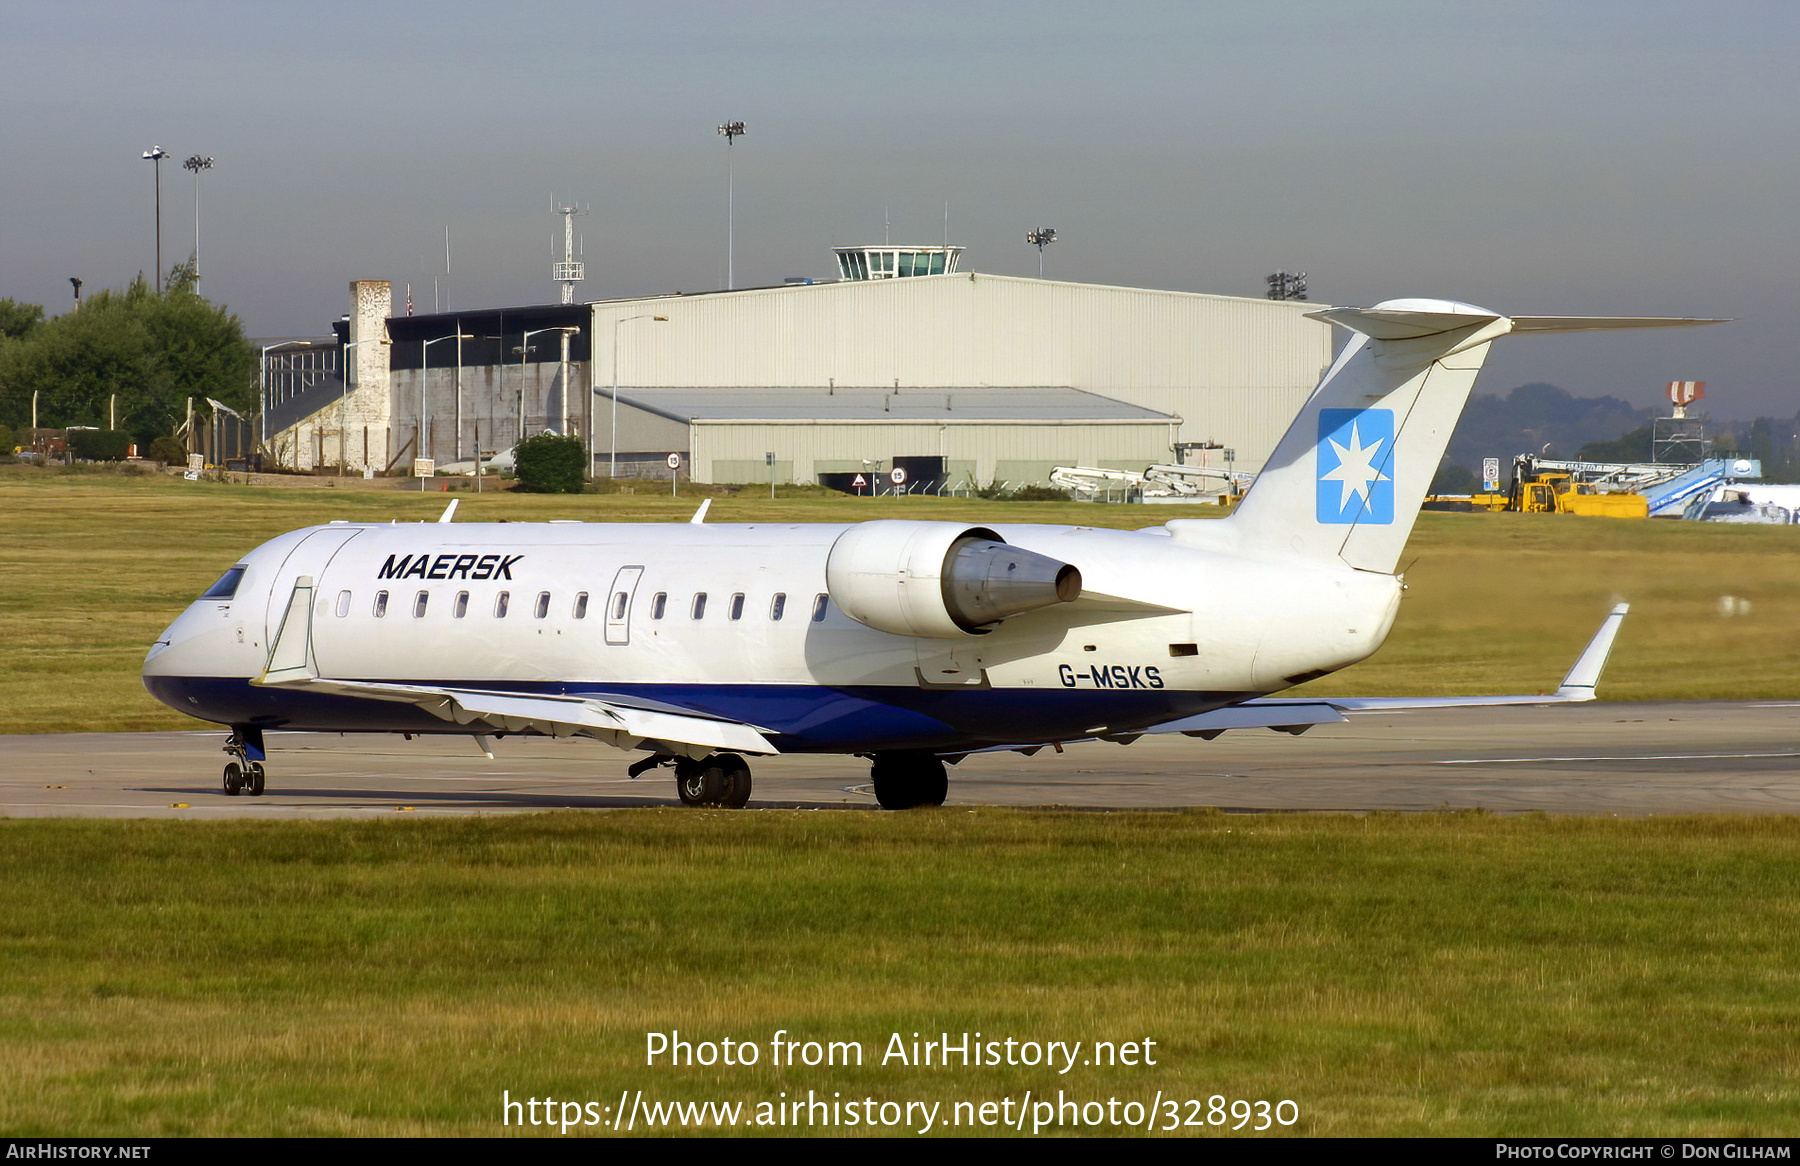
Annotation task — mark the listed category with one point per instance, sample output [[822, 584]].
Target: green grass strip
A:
[[1430, 974]]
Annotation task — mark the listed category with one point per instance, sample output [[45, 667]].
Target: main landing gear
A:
[[244, 772], [906, 778], [720, 779]]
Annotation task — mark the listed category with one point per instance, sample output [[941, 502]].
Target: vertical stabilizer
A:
[[1348, 477]]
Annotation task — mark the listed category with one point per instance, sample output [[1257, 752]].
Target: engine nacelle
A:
[[940, 580]]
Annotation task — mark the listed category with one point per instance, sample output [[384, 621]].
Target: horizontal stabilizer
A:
[[1605, 323], [1390, 322]]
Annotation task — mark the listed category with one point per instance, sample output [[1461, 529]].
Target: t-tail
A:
[[1347, 479]]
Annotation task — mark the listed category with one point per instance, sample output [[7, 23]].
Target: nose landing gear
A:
[[244, 773]]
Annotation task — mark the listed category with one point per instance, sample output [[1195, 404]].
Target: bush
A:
[[169, 451], [99, 445], [549, 464], [1037, 494]]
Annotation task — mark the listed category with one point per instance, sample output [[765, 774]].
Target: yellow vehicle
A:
[[1558, 493]]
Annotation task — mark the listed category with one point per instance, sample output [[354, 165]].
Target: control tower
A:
[[888, 261]]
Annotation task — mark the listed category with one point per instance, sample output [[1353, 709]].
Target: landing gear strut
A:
[[721, 779], [244, 772], [906, 778]]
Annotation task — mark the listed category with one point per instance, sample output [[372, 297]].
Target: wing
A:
[[291, 666], [621, 726], [1296, 715]]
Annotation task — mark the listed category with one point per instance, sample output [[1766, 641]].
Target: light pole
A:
[[612, 467], [1041, 238], [344, 397], [262, 436], [732, 131], [525, 344], [155, 155], [425, 375], [197, 164]]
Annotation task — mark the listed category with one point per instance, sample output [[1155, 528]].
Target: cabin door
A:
[[618, 604]]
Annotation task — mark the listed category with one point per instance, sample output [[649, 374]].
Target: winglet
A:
[[700, 514], [1579, 683], [449, 511]]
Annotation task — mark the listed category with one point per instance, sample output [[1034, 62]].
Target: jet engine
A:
[[940, 580]]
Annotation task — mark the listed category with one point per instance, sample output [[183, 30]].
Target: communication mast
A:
[[569, 271]]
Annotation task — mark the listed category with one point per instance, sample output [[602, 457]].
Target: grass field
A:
[[95, 565], [1445, 975]]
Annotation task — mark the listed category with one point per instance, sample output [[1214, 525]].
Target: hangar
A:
[[999, 378]]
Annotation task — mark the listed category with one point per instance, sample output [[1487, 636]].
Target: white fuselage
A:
[[739, 622]]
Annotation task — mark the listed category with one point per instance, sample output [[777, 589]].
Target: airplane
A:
[[910, 643]]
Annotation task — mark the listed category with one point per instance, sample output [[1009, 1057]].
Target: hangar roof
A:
[[1044, 405]]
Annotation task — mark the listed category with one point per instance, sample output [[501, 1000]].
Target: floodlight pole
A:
[[197, 164], [732, 131], [1041, 238], [612, 465], [155, 155]]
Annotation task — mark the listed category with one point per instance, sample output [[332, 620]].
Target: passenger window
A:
[[737, 606], [777, 605], [581, 606], [462, 604], [380, 604], [659, 605], [699, 605], [419, 603], [543, 604], [619, 601], [500, 604], [343, 604], [819, 604]]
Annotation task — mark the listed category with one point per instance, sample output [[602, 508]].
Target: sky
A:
[[1582, 158]]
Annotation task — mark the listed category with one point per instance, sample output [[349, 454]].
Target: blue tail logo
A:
[[1355, 466]]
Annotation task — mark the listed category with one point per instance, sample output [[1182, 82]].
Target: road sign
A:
[[860, 482], [674, 461], [1490, 474], [897, 476]]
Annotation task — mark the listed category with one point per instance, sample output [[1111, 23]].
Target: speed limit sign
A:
[[897, 476], [674, 461]]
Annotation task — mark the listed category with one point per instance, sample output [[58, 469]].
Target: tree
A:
[[550, 464], [19, 320], [151, 352]]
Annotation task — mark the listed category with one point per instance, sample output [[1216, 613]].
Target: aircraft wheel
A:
[[234, 779], [909, 778], [737, 781], [700, 783], [253, 779]]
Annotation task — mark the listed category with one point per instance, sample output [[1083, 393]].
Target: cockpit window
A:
[[227, 585]]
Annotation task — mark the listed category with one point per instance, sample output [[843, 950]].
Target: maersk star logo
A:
[[1356, 465]]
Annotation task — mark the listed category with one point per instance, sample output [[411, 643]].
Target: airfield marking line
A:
[[1650, 757]]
